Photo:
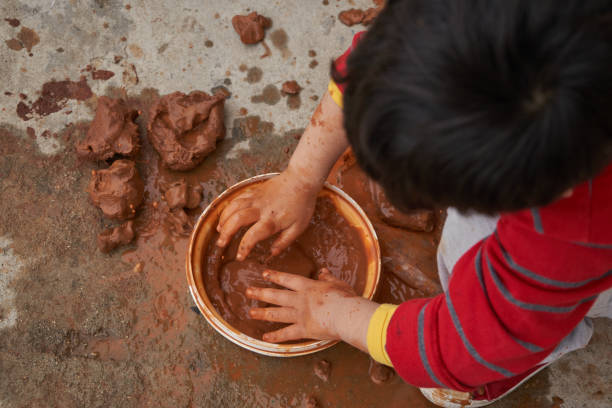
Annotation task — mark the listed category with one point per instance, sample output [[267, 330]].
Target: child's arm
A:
[[285, 203]]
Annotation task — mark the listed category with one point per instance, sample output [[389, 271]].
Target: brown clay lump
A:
[[112, 131], [251, 28], [184, 129], [182, 195], [291, 88], [179, 222], [415, 220], [111, 238], [351, 17], [379, 373], [322, 369], [118, 190]]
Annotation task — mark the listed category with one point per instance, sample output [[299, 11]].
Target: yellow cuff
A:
[[377, 333], [335, 93]]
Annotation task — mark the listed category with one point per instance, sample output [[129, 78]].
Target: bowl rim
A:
[[250, 343]]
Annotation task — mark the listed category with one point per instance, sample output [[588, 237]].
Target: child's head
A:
[[490, 105]]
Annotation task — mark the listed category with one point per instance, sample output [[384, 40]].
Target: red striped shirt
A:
[[512, 297]]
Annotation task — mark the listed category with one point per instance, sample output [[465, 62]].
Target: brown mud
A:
[[328, 242]]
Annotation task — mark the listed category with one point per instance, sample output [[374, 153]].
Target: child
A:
[[499, 110]]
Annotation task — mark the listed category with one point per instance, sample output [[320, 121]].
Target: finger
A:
[[280, 297], [287, 280], [274, 314], [293, 332], [285, 238], [235, 205], [258, 232], [235, 222], [326, 276]]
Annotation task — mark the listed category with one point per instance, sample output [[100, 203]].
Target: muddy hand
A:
[[282, 204], [306, 305]]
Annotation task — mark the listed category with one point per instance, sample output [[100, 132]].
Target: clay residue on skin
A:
[[54, 96], [251, 28], [322, 369], [101, 74], [118, 191], [329, 241], [113, 131], [180, 194], [270, 95], [112, 238], [184, 129], [416, 220]]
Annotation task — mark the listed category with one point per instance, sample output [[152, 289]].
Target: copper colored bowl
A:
[[204, 230]]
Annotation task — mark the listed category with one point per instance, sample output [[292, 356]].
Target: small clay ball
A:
[[291, 88], [251, 28], [351, 17]]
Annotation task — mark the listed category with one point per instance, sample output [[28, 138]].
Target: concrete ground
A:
[[79, 328]]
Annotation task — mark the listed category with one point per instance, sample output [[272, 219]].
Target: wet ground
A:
[[80, 328]]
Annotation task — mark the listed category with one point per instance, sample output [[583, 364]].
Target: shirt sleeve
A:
[[337, 90], [511, 299]]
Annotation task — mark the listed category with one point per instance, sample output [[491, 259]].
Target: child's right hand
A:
[[282, 204]]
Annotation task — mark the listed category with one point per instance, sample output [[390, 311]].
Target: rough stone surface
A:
[[80, 328]]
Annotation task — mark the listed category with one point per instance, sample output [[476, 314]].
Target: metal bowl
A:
[[206, 227]]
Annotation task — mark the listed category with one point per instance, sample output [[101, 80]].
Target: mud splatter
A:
[[280, 41], [254, 75], [270, 95], [26, 38], [53, 98], [13, 22]]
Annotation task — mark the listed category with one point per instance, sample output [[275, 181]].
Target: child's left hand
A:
[[322, 309]]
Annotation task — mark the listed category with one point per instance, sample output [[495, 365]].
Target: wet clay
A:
[[408, 260], [322, 369], [180, 194], [251, 28], [184, 129], [179, 222], [329, 241], [356, 16], [112, 131], [111, 238], [379, 373], [291, 88], [351, 17], [118, 190], [416, 220]]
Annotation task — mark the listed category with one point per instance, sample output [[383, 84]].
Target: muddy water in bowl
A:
[[329, 241], [339, 237]]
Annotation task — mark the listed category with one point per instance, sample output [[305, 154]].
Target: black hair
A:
[[486, 105]]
